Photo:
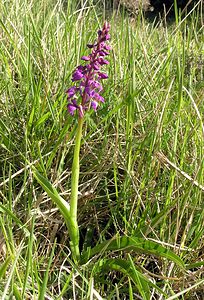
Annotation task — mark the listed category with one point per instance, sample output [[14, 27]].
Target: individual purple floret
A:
[[87, 77]]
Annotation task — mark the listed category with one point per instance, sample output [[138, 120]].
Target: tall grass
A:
[[142, 156]]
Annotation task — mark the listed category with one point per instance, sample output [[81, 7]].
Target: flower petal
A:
[[99, 97], [71, 91], [102, 75], [102, 61], [85, 58], [71, 109], [77, 75], [94, 105]]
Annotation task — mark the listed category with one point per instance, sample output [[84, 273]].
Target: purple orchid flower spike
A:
[[87, 77]]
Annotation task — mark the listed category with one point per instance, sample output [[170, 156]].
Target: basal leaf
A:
[[125, 243], [54, 195], [142, 283]]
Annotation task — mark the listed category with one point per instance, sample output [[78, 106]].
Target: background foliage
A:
[[141, 161]]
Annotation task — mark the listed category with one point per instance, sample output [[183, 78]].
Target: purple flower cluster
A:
[[89, 76]]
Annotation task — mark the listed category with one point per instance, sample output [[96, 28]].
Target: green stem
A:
[[74, 193]]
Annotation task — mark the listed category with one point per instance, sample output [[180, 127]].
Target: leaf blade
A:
[[136, 244]]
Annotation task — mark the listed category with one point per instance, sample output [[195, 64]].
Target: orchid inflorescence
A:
[[89, 76]]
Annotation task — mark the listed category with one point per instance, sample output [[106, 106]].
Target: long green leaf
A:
[[63, 207], [142, 283], [136, 244], [53, 194]]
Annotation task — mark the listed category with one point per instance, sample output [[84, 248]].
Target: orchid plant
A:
[[82, 96], [85, 94]]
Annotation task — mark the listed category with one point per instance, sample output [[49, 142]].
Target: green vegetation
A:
[[141, 186]]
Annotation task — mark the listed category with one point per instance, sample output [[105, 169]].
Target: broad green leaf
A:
[[125, 243], [63, 207], [53, 194], [142, 283]]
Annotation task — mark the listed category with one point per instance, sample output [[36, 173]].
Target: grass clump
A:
[[141, 158]]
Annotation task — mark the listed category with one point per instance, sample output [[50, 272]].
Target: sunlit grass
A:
[[141, 161]]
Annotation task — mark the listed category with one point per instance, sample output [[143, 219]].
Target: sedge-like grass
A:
[[153, 102]]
